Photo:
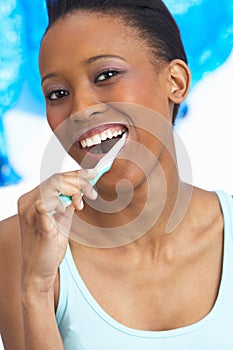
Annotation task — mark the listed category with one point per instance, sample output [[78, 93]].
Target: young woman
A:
[[110, 68]]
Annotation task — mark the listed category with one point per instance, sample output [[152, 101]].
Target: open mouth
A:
[[99, 142]]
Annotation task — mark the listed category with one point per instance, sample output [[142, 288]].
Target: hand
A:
[[44, 236]]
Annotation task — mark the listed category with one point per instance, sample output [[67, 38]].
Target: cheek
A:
[[140, 158], [155, 99], [145, 92], [124, 176], [56, 116]]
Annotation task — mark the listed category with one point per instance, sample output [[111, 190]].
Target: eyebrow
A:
[[100, 57], [86, 62], [49, 76]]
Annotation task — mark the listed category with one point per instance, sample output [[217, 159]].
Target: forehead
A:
[[82, 35]]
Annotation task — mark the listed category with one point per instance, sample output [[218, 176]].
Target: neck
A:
[[150, 211]]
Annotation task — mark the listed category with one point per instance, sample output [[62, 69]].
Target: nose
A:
[[85, 106], [89, 112]]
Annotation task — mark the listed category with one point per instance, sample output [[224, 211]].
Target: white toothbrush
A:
[[102, 167]]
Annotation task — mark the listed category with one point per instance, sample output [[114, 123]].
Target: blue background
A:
[[206, 27]]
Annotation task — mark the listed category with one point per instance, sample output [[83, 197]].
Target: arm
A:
[[40, 327], [43, 247], [19, 316], [11, 323], [30, 254]]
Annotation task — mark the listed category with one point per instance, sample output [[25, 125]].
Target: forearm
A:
[[40, 327]]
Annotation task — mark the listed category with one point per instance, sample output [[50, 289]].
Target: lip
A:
[[98, 156], [93, 130]]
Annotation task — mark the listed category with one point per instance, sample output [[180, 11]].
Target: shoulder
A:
[[7, 225], [207, 216], [9, 240], [10, 306]]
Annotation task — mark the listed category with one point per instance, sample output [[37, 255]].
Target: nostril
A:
[[94, 114], [88, 113]]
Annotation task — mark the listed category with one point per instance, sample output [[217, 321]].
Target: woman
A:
[[110, 66]]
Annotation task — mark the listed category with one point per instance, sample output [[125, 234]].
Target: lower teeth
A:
[[96, 151], [104, 146]]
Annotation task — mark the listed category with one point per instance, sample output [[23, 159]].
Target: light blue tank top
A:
[[84, 325]]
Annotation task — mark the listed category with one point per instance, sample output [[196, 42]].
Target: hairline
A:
[[155, 61], [151, 51]]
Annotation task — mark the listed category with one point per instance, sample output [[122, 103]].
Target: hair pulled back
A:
[[150, 18]]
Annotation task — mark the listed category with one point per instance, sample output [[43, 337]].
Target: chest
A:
[[157, 297]]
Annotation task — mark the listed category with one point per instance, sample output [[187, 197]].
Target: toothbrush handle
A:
[[103, 166], [101, 172], [67, 200]]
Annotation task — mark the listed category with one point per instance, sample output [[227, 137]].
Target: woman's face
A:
[[89, 61]]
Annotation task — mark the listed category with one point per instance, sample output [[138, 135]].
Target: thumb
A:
[[64, 220]]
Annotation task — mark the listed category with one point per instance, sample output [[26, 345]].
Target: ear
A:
[[179, 78]]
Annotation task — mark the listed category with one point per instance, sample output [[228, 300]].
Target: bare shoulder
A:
[[9, 229], [10, 240], [207, 205], [205, 219], [9, 247], [10, 307]]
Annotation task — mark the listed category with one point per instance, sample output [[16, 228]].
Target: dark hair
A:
[[150, 18]]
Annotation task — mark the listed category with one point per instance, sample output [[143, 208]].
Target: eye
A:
[[57, 94], [106, 75]]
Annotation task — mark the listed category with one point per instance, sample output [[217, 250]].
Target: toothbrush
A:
[[102, 167]]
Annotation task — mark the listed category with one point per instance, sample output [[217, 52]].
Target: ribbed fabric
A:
[[84, 325]]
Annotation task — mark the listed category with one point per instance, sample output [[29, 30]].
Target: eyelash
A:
[[110, 72], [61, 93]]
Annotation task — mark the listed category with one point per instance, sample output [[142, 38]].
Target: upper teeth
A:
[[98, 138]]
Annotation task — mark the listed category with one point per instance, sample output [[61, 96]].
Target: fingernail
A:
[[81, 205], [95, 194], [92, 172]]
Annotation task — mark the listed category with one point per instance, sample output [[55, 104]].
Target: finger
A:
[[64, 220], [49, 204], [68, 184], [77, 201], [52, 215], [82, 173], [79, 178], [89, 191]]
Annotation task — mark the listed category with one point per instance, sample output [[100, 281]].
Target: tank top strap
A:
[[226, 202], [63, 285]]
